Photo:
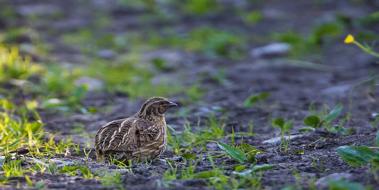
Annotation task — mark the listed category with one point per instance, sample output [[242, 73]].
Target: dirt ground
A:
[[338, 77]]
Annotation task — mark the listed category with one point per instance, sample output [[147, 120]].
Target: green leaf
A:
[[377, 138], [333, 114], [253, 99], [312, 121], [356, 155], [278, 122], [233, 152], [256, 168], [189, 156], [205, 174]]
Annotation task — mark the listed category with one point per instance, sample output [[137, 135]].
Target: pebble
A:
[[271, 50], [276, 140], [322, 183], [91, 83]]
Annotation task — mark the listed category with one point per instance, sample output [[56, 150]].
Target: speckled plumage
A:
[[139, 137]]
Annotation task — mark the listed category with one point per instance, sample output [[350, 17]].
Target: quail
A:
[[142, 136]]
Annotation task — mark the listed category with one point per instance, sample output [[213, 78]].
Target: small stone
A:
[[91, 83], [322, 183], [339, 90], [53, 101], [271, 50], [276, 140], [106, 54]]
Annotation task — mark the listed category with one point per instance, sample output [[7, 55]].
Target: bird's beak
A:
[[172, 104]]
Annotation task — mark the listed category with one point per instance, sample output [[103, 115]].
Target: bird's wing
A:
[[122, 138], [104, 133], [147, 131]]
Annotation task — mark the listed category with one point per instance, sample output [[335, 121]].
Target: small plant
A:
[[285, 127], [325, 120], [255, 98]]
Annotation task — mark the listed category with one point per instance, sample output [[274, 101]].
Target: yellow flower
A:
[[349, 39]]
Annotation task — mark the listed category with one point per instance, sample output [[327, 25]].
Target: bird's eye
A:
[[161, 109]]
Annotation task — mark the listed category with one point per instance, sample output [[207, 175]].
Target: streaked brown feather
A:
[[140, 137]]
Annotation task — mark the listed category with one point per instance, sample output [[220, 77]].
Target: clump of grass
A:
[[216, 177], [59, 89], [188, 139], [90, 42], [74, 170], [54, 86], [212, 42], [113, 179], [18, 131], [200, 7], [13, 168], [252, 17], [14, 66]]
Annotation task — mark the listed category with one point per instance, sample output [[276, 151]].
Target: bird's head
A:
[[155, 107]]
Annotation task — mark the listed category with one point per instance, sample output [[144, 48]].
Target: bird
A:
[[142, 136]]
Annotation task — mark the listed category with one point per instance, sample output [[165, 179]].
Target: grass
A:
[[13, 66], [190, 140], [208, 41], [186, 140], [113, 179], [132, 79], [18, 133], [13, 168]]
